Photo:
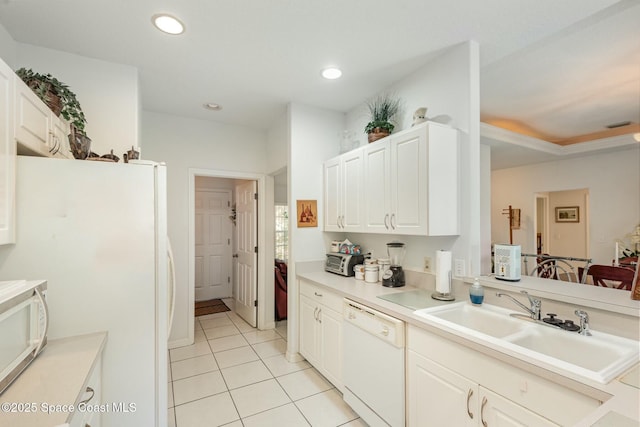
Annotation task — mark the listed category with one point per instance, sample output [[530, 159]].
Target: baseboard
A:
[[179, 343]]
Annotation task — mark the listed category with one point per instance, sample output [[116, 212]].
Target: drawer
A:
[[321, 295]]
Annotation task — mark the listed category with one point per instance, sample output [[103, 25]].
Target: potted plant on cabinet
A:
[[383, 109], [63, 102]]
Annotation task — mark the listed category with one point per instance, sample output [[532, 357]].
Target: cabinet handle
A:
[[468, 400], [393, 226], [319, 313], [341, 221], [484, 402], [315, 315], [386, 219], [89, 390], [317, 294]]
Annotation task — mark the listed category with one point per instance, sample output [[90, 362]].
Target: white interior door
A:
[[212, 244], [245, 278]]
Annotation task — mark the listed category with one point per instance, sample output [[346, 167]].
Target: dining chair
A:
[[610, 277]]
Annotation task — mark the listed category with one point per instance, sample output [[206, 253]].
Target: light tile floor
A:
[[235, 375]]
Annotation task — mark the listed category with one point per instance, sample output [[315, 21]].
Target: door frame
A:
[[266, 318]]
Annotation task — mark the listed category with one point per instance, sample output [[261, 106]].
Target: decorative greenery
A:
[[383, 109], [44, 85]]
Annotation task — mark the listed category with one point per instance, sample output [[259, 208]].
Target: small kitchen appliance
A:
[[394, 277], [342, 264], [24, 322], [507, 262]]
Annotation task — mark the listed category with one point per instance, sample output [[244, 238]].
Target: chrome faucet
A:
[[534, 310], [584, 322]]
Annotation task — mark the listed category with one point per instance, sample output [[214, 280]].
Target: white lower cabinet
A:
[[450, 384], [439, 396], [90, 406], [321, 331]]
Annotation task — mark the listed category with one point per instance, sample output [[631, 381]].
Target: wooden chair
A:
[[603, 275]]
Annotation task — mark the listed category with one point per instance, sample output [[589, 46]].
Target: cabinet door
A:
[[409, 182], [352, 180], [437, 396], [377, 183], [332, 195], [500, 412], [60, 131], [331, 345], [308, 330], [31, 121], [7, 156]]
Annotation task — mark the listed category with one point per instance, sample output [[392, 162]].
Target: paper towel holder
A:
[[444, 296]]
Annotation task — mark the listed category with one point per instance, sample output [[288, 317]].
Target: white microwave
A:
[[24, 321]]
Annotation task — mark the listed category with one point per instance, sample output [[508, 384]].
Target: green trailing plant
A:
[[46, 87], [383, 109]]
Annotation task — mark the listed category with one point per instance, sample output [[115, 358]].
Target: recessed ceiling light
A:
[[331, 73], [167, 23], [636, 136], [212, 106]]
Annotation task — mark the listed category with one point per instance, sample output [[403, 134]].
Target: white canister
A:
[[370, 261], [371, 273], [384, 264], [359, 270], [335, 246]]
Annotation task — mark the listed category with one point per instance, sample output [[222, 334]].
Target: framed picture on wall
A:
[[307, 213], [568, 214]]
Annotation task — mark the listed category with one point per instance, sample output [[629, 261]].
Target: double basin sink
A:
[[600, 357]]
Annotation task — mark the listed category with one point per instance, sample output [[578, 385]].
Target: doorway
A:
[[262, 302]]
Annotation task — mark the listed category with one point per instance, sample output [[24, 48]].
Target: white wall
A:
[[183, 144], [108, 93], [312, 133], [613, 181], [7, 47], [448, 86], [277, 145]]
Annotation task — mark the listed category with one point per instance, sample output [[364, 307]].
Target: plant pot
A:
[[52, 99], [377, 133], [80, 145]]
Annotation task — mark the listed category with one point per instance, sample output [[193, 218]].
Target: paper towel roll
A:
[[443, 268]]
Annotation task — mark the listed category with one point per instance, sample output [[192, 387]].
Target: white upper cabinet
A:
[[7, 156], [410, 182], [343, 192], [38, 132]]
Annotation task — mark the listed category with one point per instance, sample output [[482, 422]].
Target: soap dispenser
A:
[[476, 292]]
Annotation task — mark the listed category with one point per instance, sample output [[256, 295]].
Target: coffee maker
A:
[[394, 277]]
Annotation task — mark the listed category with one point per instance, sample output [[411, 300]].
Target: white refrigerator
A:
[[97, 232]]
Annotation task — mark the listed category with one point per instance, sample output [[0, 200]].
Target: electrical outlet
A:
[[427, 264], [458, 268]]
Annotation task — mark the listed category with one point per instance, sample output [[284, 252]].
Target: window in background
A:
[[282, 232]]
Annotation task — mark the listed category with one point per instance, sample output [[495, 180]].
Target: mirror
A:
[[567, 89]]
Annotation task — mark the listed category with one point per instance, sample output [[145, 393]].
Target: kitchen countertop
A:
[[620, 396], [55, 377]]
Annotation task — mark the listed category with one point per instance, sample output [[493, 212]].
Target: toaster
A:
[[342, 264], [507, 262]]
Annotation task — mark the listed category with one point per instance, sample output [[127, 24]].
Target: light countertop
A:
[[621, 399], [56, 377]]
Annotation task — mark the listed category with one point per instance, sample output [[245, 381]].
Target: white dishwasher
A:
[[373, 364]]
